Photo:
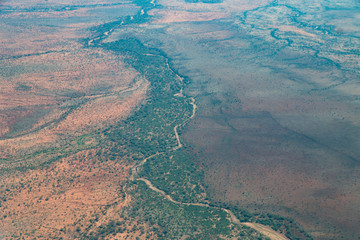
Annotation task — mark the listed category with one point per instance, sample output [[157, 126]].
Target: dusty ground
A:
[[76, 188], [52, 86], [76, 195], [277, 126], [54, 90], [166, 16], [227, 7]]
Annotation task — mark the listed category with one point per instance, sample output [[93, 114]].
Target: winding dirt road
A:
[[265, 230]]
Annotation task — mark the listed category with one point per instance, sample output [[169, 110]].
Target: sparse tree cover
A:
[[96, 142]]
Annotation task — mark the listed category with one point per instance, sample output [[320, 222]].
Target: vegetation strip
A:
[[164, 96], [258, 227]]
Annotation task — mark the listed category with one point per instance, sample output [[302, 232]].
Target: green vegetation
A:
[[150, 130], [173, 221], [83, 139], [112, 228], [286, 226], [23, 87], [283, 225], [151, 63], [178, 175], [141, 17]]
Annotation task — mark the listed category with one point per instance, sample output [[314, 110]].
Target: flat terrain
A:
[[175, 119], [278, 108], [55, 179], [80, 115]]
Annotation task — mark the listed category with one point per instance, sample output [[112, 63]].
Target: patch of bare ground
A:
[[185, 16], [52, 91], [176, 11], [97, 113], [44, 66], [59, 76], [102, 111], [95, 79], [287, 28], [8, 118], [28, 143], [19, 41], [229, 6], [81, 192], [267, 231]]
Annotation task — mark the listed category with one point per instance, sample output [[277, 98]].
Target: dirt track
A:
[[267, 231]]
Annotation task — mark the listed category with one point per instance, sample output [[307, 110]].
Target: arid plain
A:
[[89, 89], [54, 95]]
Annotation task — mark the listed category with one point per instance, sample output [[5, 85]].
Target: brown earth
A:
[[63, 76], [177, 11], [54, 90], [76, 194], [184, 16], [228, 7], [92, 81]]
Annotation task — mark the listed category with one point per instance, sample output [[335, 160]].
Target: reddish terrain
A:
[[53, 91]]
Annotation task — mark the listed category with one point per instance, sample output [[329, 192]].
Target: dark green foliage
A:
[[280, 224], [174, 221], [23, 87], [177, 174], [151, 129], [151, 63]]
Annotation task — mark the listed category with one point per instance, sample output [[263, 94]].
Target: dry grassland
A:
[[52, 91], [77, 192]]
